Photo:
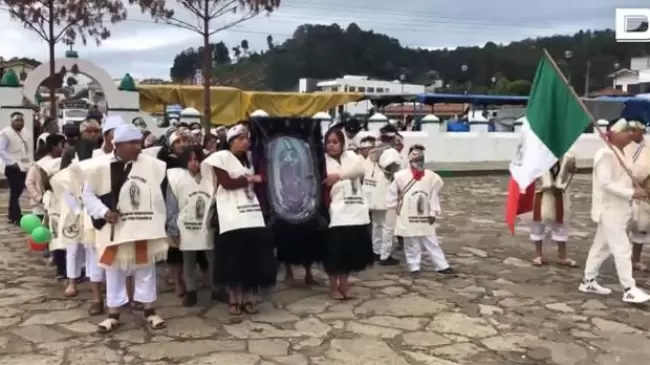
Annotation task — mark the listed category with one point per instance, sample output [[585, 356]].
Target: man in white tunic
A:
[[68, 184], [385, 162], [108, 127], [124, 195], [413, 194], [550, 211], [14, 153], [611, 209], [640, 223]]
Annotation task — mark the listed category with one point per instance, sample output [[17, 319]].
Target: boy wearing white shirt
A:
[[413, 194]]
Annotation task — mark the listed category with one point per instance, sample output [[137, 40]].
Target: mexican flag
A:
[[555, 119]]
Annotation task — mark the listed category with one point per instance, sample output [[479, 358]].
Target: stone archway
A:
[[86, 68]]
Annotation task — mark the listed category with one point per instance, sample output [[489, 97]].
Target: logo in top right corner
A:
[[632, 25]]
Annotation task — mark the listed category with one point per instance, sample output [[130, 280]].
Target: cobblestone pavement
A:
[[498, 311]]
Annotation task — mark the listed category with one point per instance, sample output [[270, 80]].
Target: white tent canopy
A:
[[378, 117], [430, 118], [259, 113], [190, 112], [322, 116]]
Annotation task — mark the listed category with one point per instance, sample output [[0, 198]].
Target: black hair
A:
[[14, 114], [339, 135], [52, 141], [370, 139], [417, 146], [187, 153]]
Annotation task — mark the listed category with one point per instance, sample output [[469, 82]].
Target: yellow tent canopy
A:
[[231, 105]]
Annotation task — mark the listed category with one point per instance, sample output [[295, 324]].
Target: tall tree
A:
[[205, 12], [56, 21], [236, 51], [244, 47], [269, 42]]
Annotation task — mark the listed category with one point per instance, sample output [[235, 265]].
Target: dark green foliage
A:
[[325, 52]]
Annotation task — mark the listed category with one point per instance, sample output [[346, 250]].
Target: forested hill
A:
[[324, 52]]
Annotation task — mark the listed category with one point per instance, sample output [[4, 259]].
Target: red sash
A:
[[141, 256]]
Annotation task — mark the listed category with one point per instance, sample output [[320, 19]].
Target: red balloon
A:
[[36, 246]]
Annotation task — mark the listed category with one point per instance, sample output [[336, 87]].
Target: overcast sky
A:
[[146, 49]]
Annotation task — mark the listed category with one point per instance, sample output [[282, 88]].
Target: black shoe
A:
[[415, 274], [447, 271], [390, 261], [190, 299]]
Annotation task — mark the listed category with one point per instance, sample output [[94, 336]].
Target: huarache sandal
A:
[[249, 308], [70, 292], [567, 263], [538, 261], [108, 325], [234, 309], [347, 297], [96, 308], [155, 322]]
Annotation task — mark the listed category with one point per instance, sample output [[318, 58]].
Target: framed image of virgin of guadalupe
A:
[[289, 154]]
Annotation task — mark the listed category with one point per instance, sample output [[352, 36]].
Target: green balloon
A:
[[41, 235], [29, 223]]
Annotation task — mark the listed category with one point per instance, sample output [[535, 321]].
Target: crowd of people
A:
[[117, 204]]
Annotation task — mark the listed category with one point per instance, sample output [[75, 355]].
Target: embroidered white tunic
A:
[[239, 208], [51, 201], [639, 153], [347, 202], [141, 205], [194, 200], [415, 201], [612, 189], [375, 183], [548, 207]]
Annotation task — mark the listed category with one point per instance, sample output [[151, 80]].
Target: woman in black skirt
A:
[[243, 248], [349, 246]]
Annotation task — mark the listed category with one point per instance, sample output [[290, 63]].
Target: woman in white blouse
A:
[[349, 246]]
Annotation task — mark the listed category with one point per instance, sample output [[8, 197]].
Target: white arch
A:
[[86, 68]]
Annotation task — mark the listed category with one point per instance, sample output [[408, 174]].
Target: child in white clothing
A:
[[413, 194]]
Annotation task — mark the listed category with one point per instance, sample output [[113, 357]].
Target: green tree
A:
[[206, 14], [56, 21]]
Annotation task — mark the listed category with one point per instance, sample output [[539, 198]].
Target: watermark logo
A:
[[632, 25]]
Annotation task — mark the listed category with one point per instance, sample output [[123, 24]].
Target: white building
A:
[[636, 79], [361, 84]]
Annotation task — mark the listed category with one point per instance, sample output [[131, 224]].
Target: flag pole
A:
[[591, 118]]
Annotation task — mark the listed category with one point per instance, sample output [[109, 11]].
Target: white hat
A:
[[127, 133], [112, 122], [236, 130]]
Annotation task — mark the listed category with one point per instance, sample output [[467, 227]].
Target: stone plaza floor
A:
[[498, 311]]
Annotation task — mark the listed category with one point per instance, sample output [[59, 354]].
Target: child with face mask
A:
[[413, 194]]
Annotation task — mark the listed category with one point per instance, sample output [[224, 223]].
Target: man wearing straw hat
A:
[[640, 222], [611, 208]]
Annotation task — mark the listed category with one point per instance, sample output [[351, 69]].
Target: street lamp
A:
[[468, 83], [493, 83], [402, 78], [568, 55]]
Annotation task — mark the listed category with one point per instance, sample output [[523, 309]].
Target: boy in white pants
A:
[[413, 194]]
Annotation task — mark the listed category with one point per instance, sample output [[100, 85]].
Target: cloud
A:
[[145, 49]]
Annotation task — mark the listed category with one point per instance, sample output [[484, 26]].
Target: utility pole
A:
[[587, 77]]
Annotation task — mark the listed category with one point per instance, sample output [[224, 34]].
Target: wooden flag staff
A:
[[593, 120]]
